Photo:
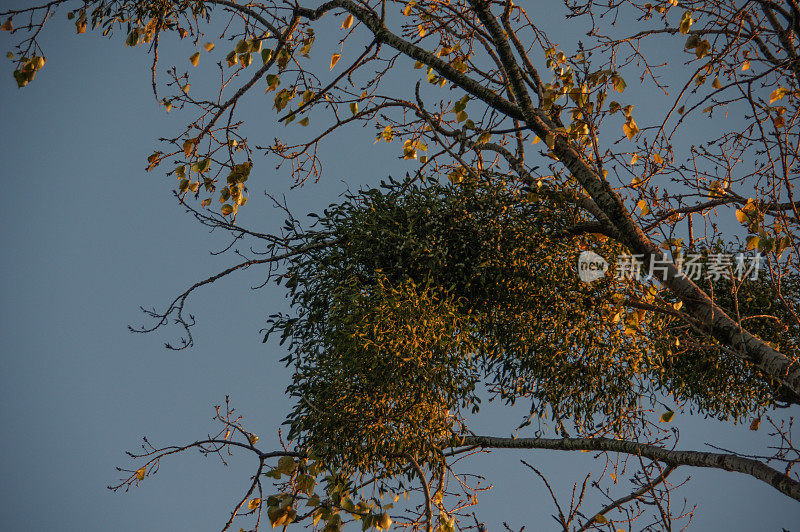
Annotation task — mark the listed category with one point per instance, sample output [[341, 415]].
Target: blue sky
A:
[[88, 236]]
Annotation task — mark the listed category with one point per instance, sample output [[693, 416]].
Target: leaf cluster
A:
[[426, 291]]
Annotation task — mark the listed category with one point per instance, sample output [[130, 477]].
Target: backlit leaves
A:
[[630, 128], [778, 94], [686, 22]]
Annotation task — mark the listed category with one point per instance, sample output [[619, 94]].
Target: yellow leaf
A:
[[188, 147], [140, 473], [642, 204], [347, 22], [335, 59], [195, 58], [716, 84], [535, 140], [304, 122], [630, 128], [634, 158], [254, 503], [741, 216], [208, 46], [686, 22], [755, 423], [746, 65], [422, 30], [777, 94], [667, 416], [657, 159], [253, 439], [601, 519], [354, 108]]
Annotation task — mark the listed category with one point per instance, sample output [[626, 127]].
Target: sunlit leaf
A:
[[686, 22], [630, 128], [778, 94], [348, 21]]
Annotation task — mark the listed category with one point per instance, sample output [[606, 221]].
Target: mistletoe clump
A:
[[411, 296]]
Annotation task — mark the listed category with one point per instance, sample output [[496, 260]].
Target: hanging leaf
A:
[[140, 473], [667, 416], [686, 22], [195, 58], [348, 21], [208, 46], [741, 216], [778, 94], [630, 128], [335, 59]]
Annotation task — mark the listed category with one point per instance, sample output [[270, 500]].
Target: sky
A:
[[88, 236]]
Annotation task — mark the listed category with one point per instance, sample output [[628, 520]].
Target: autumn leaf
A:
[[254, 503], [348, 21], [755, 424], [208, 46], [630, 128], [195, 58], [667, 416], [741, 216], [777, 94], [702, 48], [686, 22], [335, 59], [140, 472]]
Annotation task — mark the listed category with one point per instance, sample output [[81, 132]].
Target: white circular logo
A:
[[591, 266]]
